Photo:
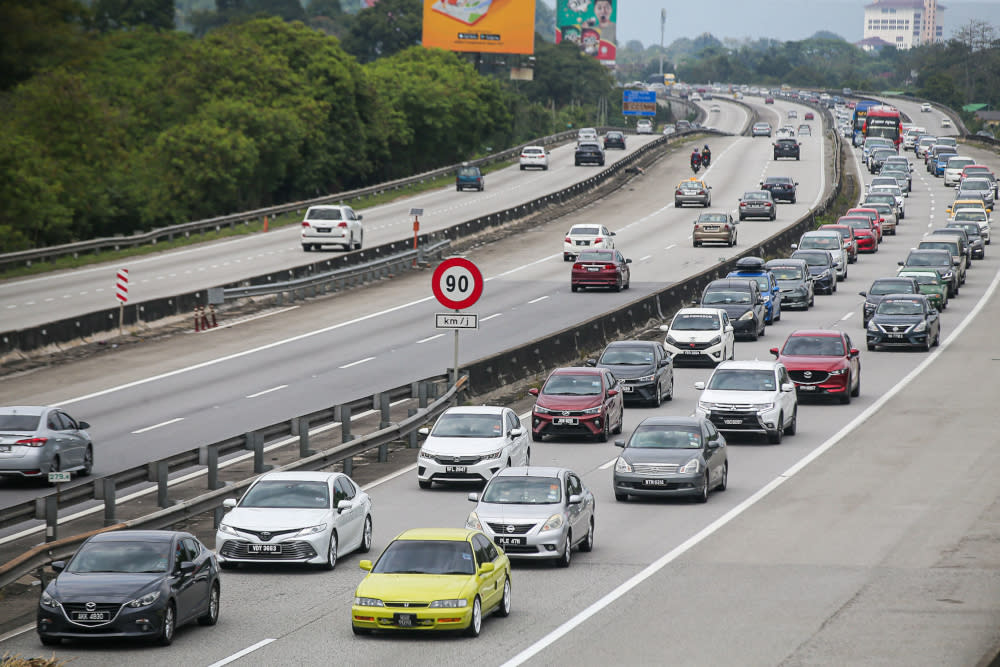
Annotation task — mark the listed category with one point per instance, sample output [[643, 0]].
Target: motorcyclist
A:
[[695, 158], [706, 155]]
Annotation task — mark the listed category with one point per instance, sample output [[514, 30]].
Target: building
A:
[[903, 23]]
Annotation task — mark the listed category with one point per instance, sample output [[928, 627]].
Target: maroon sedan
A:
[[600, 268], [822, 362], [578, 402]]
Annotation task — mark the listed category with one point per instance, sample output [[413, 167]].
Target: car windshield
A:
[[712, 217], [924, 278], [323, 214], [627, 355], [120, 556], [566, 384], [976, 184], [859, 224], [936, 245], [596, 257], [532, 151], [823, 242], [584, 231], [695, 322], [755, 196], [819, 346], [459, 425], [426, 557], [296, 494], [777, 180], [468, 172], [881, 287], [899, 307], [960, 162], [787, 273], [973, 215], [972, 229], [19, 422], [813, 258], [742, 379], [725, 297], [658, 436], [523, 490], [930, 259]]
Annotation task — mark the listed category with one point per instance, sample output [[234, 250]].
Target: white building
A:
[[904, 23]]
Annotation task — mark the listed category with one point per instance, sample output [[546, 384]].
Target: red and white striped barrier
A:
[[121, 287]]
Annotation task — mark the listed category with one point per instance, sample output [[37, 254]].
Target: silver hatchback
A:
[[536, 512], [36, 440]]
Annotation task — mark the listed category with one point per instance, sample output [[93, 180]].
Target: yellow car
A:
[[433, 579], [692, 191], [969, 203]]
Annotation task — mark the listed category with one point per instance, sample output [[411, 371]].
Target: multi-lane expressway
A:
[[858, 558]]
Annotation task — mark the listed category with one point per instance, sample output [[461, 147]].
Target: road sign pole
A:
[[455, 376]]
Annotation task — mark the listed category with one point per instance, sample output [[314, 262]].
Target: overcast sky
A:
[[780, 19]]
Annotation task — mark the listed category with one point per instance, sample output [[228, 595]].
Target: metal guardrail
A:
[[212, 500]]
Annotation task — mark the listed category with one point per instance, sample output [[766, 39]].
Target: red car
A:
[[600, 268], [768, 100], [580, 401], [810, 116], [872, 214], [850, 240], [864, 232], [822, 362]]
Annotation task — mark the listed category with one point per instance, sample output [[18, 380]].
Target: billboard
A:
[[589, 23], [638, 103], [484, 26]]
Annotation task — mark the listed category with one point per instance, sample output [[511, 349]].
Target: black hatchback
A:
[[781, 187], [786, 148], [644, 369], [131, 584], [614, 139]]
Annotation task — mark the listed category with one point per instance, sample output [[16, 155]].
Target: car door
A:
[[788, 398], [775, 295], [728, 335], [488, 582], [519, 443], [183, 583], [349, 522], [614, 410], [608, 239], [714, 456], [74, 440], [202, 584], [854, 361], [64, 447], [578, 520]]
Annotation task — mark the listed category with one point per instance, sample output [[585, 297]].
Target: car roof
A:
[[822, 233], [632, 343], [577, 370], [699, 311], [784, 261], [532, 471], [476, 410], [298, 475], [829, 333], [437, 534], [671, 420], [747, 364], [137, 536], [733, 282], [35, 410]]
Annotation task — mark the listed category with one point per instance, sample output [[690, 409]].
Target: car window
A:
[[742, 379], [512, 421], [479, 544], [192, 549], [346, 487], [575, 487], [53, 423], [609, 380], [491, 551], [288, 494], [783, 375]]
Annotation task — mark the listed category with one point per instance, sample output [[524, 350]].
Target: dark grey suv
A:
[[742, 301]]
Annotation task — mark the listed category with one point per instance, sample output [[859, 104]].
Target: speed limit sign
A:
[[457, 283]]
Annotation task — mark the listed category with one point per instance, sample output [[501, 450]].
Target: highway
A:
[[806, 575]]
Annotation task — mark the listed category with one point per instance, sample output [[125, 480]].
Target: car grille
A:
[[519, 528], [111, 608], [457, 460], [895, 328], [736, 417], [409, 605], [567, 413], [632, 381], [693, 346], [267, 535], [654, 468], [520, 549], [289, 551], [809, 377]]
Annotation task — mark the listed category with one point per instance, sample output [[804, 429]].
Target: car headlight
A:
[[838, 372], [621, 465], [715, 341], [949, 275], [920, 327], [368, 602], [492, 455], [554, 522], [762, 406], [746, 316], [424, 454], [706, 405], [473, 522], [49, 601], [227, 529], [671, 341], [825, 274], [542, 411], [592, 411], [644, 378], [690, 468], [145, 600], [311, 530], [449, 604], [872, 326]]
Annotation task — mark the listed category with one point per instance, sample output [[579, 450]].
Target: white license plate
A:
[[733, 421], [627, 389], [456, 469], [264, 548], [566, 421], [690, 352], [593, 268], [807, 387]]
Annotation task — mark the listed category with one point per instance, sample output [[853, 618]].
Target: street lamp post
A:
[[663, 25]]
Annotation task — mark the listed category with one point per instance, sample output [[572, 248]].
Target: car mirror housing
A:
[[83, 425], [664, 327], [774, 351], [485, 568], [575, 499], [788, 387], [533, 391], [344, 505], [620, 443], [612, 392], [424, 431], [187, 567], [591, 362], [699, 385], [360, 216], [365, 565], [58, 565], [229, 503], [855, 352], [473, 497], [628, 261], [516, 432]]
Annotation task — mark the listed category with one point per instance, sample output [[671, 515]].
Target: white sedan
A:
[[332, 225], [584, 237], [644, 126], [925, 107], [471, 444], [296, 517], [534, 156], [700, 334]]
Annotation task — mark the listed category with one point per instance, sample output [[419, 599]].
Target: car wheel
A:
[[628, 282], [724, 482], [166, 636], [845, 398], [703, 496], [503, 611], [350, 243], [211, 616], [49, 641], [742, 218], [755, 334], [476, 623], [361, 240], [366, 536], [331, 552], [306, 247], [812, 299], [937, 338], [774, 215], [226, 565], [566, 557], [621, 497], [588, 542], [793, 425], [573, 288], [872, 348], [677, 204], [536, 437], [522, 167], [695, 244], [88, 462], [425, 483], [617, 286], [793, 200], [621, 423], [774, 437], [603, 435]]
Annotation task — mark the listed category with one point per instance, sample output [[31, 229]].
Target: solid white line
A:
[[847, 316], [355, 363], [236, 656], [672, 246], [429, 338], [267, 391], [17, 631], [607, 465], [166, 423], [490, 317], [643, 259], [389, 477], [250, 319], [541, 298], [674, 553]]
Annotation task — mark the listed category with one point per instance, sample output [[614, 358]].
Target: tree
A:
[[385, 29], [545, 21], [121, 14], [37, 34]]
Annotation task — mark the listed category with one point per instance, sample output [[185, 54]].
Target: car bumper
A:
[[783, 195], [535, 163], [701, 200], [835, 385], [867, 244], [786, 154], [433, 471], [144, 622], [35, 463], [585, 425], [662, 485], [712, 237], [905, 340], [746, 327], [543, 545], [336, 235], [794, 299], [423, 618], [595, 281], [589, 160], [765, 421], [644, 391], [308, 549], [712, 354], [756, 212]]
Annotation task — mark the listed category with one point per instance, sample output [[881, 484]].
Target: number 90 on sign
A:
[[457, 283]]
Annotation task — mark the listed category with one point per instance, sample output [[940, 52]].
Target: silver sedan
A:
[[36, 440], [536, 513]]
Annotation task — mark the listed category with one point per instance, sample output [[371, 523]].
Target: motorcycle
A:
[[695, 166], [706, 160]]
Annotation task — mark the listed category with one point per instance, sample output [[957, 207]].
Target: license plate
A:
[[264, 548], [807, 387], [405, 620], [5, 448], [732, 421], [323, 229], [567, 421], [504, 541], [895, 335], [455, 469], [690, 352], [627, 389], [583, 242], [593, 268], [711, 229], [91, 616], [654, 482]]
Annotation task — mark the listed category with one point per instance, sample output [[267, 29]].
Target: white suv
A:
[[534, 156], [585, 237], [470, 444], [700, 334], [750, 397], [332, 225]]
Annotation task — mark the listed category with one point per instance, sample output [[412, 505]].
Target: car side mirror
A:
[[788, 387], [229, 503], [664, 362], [864, 294], [187, 567], [83, 425], [516, 432], [612, 392], [485, 568], [575, 499], [729, 328], [365, 565], [360, 216], [612, 234], [774, 351], [344, 505], [58, 565], [854, 352], [533, 391], [699, 385], [473, 497], [628, 261], [591, 362], [664, 327], [795, 246], [796, 182], [900, 263], [933, 311], [424, 431]]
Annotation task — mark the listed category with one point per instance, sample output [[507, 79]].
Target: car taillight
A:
[[742, 204], [610, 267], [767, 203], [524, 155], [569, 240], [578, 266], [32, 442], [305, 224], [598, 240], [678, 192], [726, 226], [343, 225]]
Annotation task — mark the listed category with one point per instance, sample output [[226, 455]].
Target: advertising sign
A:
[[638, 103], [589, 23], [484, 26]]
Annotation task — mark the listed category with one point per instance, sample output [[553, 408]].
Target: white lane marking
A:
[[356, 363], [267, 391], [676, 552], [17, 631], [605, 466], [672, 245], [847, 316], [643, 259], [166, 423], [429, 338], [11, 306], [250, 319], [541, 298], [520, 268], [236, 656], [490, 317]]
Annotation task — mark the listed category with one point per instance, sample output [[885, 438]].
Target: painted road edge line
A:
[[236, 656], [692, 541]]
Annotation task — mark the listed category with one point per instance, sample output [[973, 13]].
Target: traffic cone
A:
[[197, 320], [215, 322], [204, 320], [265, 223]]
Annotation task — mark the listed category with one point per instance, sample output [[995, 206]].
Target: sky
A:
[[780, 19]]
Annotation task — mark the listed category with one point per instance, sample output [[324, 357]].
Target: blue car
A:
[[940, 162], [753, 267]]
